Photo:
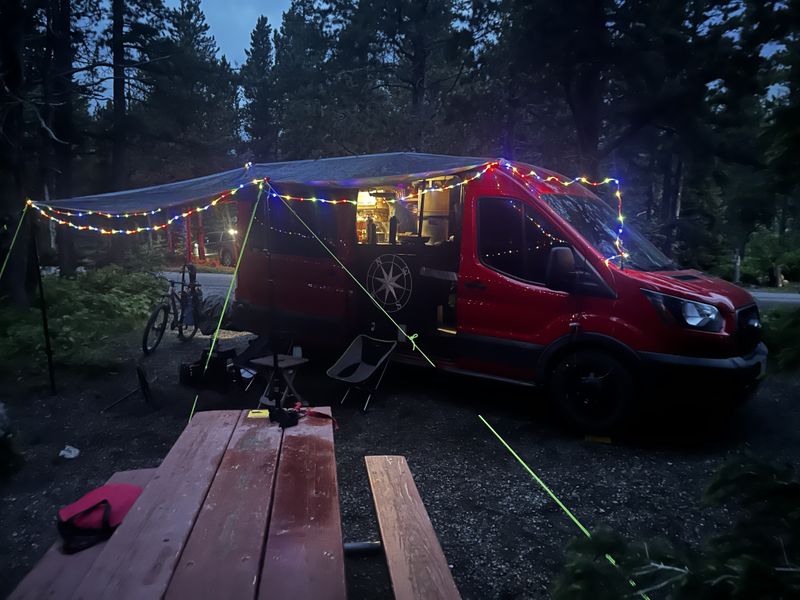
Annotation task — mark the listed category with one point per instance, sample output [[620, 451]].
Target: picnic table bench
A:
[[241, 508]]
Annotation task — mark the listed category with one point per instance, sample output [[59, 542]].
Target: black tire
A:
[[593, 392], [154, 330], [226, 258], [186, 332]]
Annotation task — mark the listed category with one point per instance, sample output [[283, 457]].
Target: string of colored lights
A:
[[51, 213], [313, 199], [85, 213], [456, 184], [403, 198], [45, 212], [621, 252]]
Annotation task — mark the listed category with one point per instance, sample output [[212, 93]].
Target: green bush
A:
[[750, 277], [791, 265], [782, 336], [723, 270], [85, 316], [766, 251], [10, 459]]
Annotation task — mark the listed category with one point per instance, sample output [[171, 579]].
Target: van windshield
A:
[[597, 223]]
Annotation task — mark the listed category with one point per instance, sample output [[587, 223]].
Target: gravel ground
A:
[[502, 535]]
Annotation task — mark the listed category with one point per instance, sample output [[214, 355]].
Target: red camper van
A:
[[503, 270]]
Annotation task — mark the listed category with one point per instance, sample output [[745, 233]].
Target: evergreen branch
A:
[[658, 586], [783, 549], [720, 579], [108, 65], [654, 567]]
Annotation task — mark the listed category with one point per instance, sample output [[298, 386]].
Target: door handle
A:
[[476, 285]]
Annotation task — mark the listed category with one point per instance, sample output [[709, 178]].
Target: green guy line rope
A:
[[410, 338], [230, 289], [561, 505], [13, 241]]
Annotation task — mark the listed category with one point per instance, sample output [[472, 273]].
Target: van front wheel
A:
[[592, 391]]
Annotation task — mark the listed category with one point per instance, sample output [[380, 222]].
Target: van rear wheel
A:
[[592, 391]]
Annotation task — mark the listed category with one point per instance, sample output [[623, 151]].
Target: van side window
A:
[[289, 236], [258, 234], [512, 239]]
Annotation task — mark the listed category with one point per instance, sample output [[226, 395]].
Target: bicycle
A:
[[183, 305]]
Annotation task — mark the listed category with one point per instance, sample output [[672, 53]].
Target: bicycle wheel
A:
[[154, 330]]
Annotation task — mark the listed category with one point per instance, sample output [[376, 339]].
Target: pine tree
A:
[[757, 557], [258, 86], [301, 83], [189, 113]]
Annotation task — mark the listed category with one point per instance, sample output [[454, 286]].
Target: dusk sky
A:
[[231, 22]]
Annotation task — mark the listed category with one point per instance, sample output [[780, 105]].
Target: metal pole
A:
[[362, 548], [274, 391], [421, 206], [189, 249], [45, 329]]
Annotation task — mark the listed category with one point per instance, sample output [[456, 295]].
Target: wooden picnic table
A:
[[239, 508]]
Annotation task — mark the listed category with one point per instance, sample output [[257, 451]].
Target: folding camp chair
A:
[[365, 358], [256, 348]]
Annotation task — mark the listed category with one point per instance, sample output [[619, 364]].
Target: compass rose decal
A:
[[389, 282]]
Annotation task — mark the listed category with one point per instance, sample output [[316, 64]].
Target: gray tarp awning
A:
[[344, 172]]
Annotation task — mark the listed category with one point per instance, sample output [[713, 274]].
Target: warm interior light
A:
[[366, 199]]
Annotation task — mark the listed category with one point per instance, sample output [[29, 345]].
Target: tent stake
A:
[[45, 329]]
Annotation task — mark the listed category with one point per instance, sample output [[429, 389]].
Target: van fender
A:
[[574, 341]]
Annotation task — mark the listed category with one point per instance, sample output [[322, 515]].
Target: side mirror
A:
[[560, 274]]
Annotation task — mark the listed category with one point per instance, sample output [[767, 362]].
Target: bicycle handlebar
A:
[[173, 282]]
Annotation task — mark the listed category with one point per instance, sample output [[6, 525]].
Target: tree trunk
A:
[[666, 189], [673, 203], [510, 119], [118, 58], [586, 114], [118, 243], [12, 30], [419, 68], [651, 188], [584, 88], [62, 124]]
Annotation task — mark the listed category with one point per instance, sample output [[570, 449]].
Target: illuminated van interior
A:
[[392, 215]]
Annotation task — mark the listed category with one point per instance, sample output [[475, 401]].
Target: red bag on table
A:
[[93, 518]]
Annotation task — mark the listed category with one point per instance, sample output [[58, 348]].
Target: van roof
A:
[[368, 170]]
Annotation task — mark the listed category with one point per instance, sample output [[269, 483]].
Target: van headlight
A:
[[688, 313]]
